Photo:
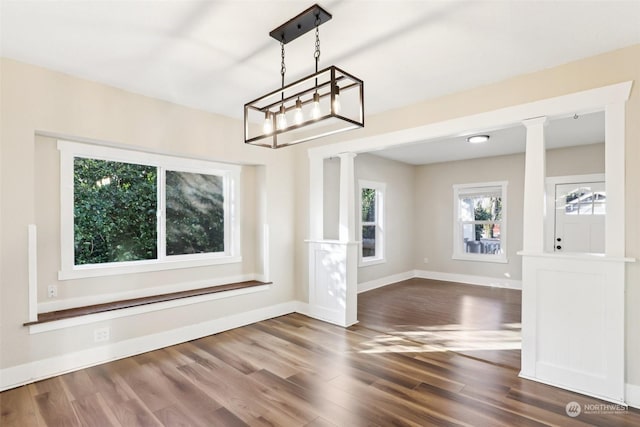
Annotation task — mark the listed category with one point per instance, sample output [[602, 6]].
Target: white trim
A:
[[632, 395], [577, 256], [534, 188], [468, 279], [614, 157], [570, 179], [582, 102], [479, 188], [572, 389], [303, 308], [498, 259], [230, 174], [142, 309], [379, 223], [45, 368], [63, 304], [384, 281], [99, 270], [369, 261], [33, 272]]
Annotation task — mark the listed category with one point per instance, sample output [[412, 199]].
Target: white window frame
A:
[[231, 193], [478, 188], [379, 257]]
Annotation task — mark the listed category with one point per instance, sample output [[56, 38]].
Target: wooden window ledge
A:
[[135, 302]]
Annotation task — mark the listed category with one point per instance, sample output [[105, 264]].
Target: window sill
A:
[[142, 267], [481, 258], [94, 313], [367, 262]]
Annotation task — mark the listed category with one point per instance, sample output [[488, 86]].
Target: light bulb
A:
[[336, 100], [282, 119], [267, 127], [315, 112], [298, 117]]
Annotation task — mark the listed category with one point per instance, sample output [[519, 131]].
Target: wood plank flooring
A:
[[296, 371], [477, 321]]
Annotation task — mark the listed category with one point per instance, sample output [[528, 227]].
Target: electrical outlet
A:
[[52, 291], [101, 334]]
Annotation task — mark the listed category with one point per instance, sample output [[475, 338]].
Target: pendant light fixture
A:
[[326, 102]]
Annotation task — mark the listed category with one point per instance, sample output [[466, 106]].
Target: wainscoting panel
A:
[[573, 323]]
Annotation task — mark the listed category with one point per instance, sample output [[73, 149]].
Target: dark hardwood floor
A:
[[296, 371]]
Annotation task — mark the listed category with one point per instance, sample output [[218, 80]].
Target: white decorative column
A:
[[316, 201], [572, 300], [533, 235], [347, 220], [614, 130], [534, 183], [333, 264]]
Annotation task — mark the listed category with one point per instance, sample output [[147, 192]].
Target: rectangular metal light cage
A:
[[337, 107]]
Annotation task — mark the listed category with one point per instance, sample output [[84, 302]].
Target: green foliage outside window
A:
[[195, 213], [114, 211], [368, 205], [491, 211]]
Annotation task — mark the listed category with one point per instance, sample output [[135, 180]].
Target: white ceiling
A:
[[217, 55], [565, 132]]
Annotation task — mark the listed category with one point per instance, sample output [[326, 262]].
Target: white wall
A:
[[36, 100]]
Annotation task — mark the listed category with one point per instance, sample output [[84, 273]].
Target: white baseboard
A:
[[384, 281], [40, 369], [632, 395], [303, 308], [437, 275], [469, 279]]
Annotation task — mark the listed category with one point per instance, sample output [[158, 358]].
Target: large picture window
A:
[[372, 222], [480, 212], [126, 211]]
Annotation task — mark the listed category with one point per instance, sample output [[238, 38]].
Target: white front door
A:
[[580, 210]]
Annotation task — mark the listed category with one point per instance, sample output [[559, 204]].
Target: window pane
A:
[[114, 211], [368, 240], [480, 208], [481, 238], [194, 213], [368, 205], [599, 208]]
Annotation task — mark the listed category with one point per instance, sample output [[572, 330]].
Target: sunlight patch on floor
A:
[[445, 338]]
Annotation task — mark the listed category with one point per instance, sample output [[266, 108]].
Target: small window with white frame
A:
[[480, 221], [371, 210], [126, 211]]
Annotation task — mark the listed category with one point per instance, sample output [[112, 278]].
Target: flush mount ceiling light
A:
[[326, 102], [477, 139]]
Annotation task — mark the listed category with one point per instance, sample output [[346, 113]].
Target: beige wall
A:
[[575, 160], [434, 205], [419, 208], [35, 99], [399, 210], [399, 213], [605, 69]]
